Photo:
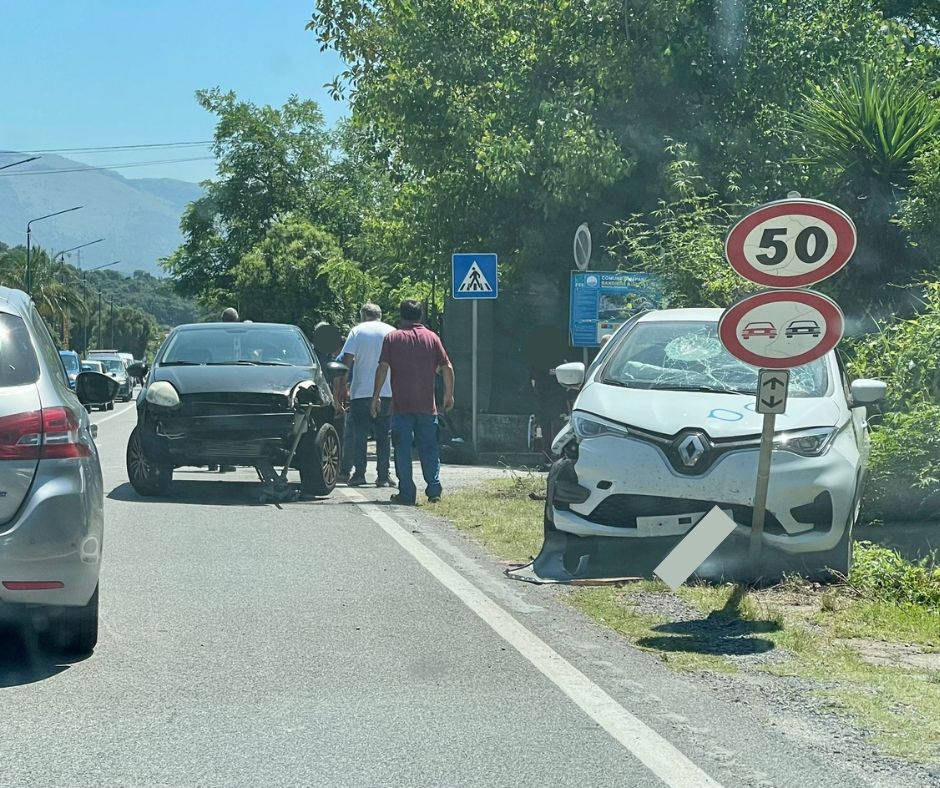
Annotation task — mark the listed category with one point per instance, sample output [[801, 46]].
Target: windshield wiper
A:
[[705, 389], [247, 363]]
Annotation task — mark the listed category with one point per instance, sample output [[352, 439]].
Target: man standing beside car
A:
[[361, 353], [414, 355]]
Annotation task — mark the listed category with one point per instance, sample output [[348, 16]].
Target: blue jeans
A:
[[421, 430], [362, 425]]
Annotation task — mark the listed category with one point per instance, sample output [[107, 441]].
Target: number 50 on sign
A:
[[791, 243]]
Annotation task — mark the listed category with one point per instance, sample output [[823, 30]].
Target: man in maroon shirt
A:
[[415, 355]]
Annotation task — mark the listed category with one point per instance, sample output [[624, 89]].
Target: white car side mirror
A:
[[865, 391], [570, 375]]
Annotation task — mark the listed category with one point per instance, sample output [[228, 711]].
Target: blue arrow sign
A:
[[473, 276]]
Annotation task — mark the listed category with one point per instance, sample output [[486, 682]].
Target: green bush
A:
[[881, 574], [904, 466]]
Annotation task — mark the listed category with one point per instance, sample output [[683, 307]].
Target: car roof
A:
[[701, 314], [13, 300]]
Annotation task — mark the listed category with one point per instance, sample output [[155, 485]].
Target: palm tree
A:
[[860, 134], [55, 292]]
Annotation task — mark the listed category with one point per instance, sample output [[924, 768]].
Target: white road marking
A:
[[116, 413], [695, 547], [655, 752]]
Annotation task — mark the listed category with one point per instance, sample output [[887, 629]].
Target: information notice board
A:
[[601, 301]]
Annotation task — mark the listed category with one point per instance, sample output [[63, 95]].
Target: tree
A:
[[54, 289], [862, 132], [272, 163], [297, 274], [505, 124]]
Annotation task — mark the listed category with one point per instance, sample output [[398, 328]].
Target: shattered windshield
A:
[[689, 356], [263, 346]]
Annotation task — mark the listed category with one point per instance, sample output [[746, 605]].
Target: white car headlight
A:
[[589, 426], [807, 443], [163, 395]]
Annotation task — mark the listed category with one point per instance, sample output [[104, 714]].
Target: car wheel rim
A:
[[140, 466], [330, 460]]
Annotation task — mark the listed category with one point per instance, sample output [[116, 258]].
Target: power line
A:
[[106, 167], [103, 148]]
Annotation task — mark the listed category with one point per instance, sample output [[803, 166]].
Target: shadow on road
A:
[[194, 492], [22, 661], [726, 631]]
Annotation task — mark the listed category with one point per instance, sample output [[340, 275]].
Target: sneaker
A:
[[356, 481], [343, 476], [386, 482], [396, 498], [434, 499]]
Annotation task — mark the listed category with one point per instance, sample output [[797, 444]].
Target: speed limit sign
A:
[[791, 243]]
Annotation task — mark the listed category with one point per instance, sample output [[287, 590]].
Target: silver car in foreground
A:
[[51, 495]]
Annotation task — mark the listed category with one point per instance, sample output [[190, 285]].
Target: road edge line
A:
[[651, 749]]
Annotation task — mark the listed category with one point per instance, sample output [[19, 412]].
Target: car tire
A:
[[75, 630], [318, 459], [110, 405], [147, 476]]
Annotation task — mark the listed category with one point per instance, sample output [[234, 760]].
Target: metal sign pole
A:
[[473, 377], [760, 494]]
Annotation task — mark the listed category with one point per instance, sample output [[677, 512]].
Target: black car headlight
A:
[[807, 443], [163, 395]]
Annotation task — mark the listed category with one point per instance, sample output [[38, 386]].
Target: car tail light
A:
[[50, 433]]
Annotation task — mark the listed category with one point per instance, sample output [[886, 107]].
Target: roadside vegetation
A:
[[504, 125], [868, 648]]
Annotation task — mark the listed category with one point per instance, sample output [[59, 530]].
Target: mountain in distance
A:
[[138, 217]]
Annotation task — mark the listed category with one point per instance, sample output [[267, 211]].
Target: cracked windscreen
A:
[[689, 356]]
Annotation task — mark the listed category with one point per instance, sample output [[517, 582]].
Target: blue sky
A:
[[91, 73]]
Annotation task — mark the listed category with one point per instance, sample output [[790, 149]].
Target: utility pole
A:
[[112, 345], [99, 317]]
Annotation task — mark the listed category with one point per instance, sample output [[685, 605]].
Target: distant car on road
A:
[[759, 330], [51, 494], [803, 328], [231, 394], [115, 367], [72, 364]]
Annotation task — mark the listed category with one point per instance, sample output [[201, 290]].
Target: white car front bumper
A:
[[654, 500]]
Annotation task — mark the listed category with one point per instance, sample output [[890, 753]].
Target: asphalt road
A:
[[350, 643]]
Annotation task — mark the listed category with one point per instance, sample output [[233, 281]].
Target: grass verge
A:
[[805, 631]]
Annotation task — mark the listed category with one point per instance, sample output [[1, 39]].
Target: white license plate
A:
[[669, 524]]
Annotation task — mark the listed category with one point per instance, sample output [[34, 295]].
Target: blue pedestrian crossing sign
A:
[[474, 276]]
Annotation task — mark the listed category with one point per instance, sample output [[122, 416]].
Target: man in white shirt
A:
[[362, 350]]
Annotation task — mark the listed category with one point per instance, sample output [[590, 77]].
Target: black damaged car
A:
[[234, 394]]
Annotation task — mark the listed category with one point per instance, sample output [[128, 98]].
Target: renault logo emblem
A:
[[691, 449]]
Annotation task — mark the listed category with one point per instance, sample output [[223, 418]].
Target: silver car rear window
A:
[[18, 362]]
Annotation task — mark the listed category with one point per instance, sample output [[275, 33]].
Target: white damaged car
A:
[[664, 428]]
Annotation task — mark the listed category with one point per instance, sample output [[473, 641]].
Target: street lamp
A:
[[29, 233], [85, 300], [80, 246], [24, 161]]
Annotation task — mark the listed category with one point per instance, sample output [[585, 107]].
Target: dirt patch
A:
[[901, 655]]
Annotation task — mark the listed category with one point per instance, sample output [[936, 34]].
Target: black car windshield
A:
[[114, 365], [238, 344], [689, 356]]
